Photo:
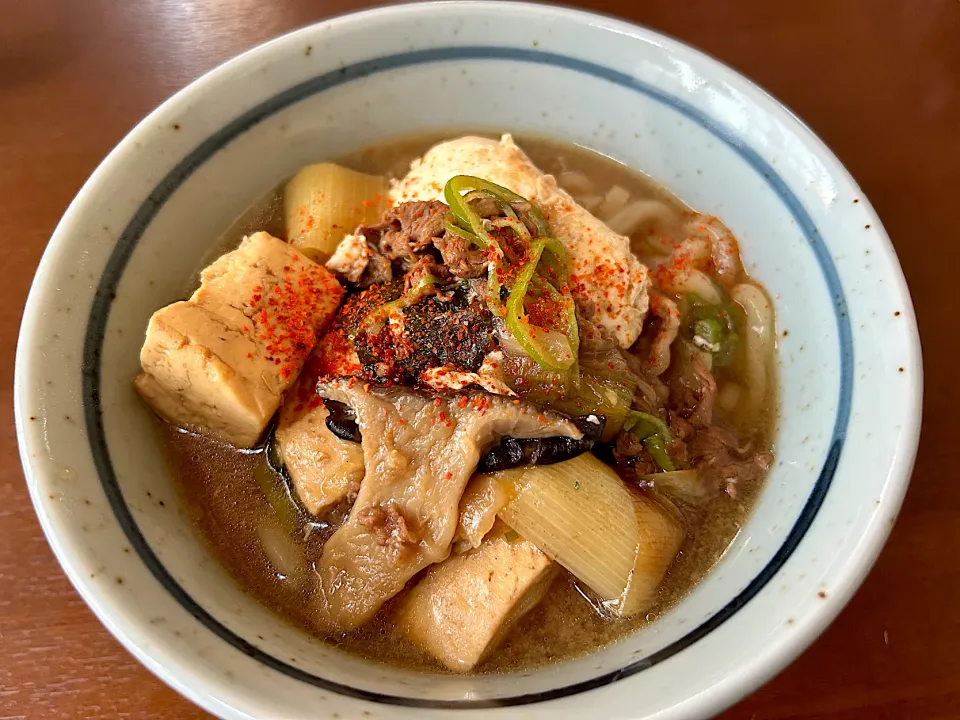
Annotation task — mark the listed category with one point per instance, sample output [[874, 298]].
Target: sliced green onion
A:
[[454, 191], [654, 434], [514, 224], [504, 206], [558, 268], [572, 330], [643, 425], [713, 329], [707, 334], [539, 343], [546, 270], [654, 445], [454, 229]]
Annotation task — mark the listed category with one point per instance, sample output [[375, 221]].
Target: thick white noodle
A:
[[614, 201], [729, 396], [575, 183], [691, 281], [638, 214], [282, 552], [724, 249], [669, 315], [760, 343], [589, 202], [693, 252], [689, 260]]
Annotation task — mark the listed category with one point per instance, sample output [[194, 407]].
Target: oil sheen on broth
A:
[[222, 491]]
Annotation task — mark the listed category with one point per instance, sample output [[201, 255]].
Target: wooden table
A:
[[878, 80]]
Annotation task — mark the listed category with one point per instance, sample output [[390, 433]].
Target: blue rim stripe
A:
[[99, 315]]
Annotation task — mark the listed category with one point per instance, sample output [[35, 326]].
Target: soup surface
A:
[[223, 486]]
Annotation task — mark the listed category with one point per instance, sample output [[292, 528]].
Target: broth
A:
[[219, 483]]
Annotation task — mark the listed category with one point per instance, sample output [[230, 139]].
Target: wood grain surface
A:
[[878, 80]]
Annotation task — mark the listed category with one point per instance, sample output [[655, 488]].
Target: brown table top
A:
[[878, 80]]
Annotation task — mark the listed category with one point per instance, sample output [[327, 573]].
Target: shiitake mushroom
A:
[[508, 453], [517, 452], [342, 421]]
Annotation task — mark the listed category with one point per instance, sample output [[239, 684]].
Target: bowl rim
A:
[[857, 564]]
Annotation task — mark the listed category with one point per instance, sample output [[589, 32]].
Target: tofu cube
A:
[[324, 469], [464, 606], [221, 361]]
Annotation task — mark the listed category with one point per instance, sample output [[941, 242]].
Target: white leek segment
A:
[[580, 513], [324, 202]]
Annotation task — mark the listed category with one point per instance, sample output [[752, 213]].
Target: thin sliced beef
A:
[[424, 267], [420, 450], [379, 269], [631, 457], [408, 229], [391, 528], [462, 257], [723, 462], [411, 235]]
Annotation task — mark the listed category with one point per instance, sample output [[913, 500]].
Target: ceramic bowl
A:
[[849, 354]]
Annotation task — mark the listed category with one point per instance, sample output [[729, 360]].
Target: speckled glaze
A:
[[850, 361]]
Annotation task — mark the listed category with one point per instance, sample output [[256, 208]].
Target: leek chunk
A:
[[613, 538], [324, 202]]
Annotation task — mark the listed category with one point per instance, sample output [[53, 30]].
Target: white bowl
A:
[[849, 354]]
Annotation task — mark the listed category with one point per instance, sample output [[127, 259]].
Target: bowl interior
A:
[[147, 221]]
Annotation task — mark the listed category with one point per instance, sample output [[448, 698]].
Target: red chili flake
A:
[[448, 475], [249, 355]]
